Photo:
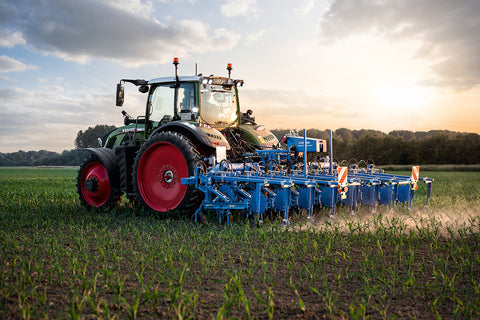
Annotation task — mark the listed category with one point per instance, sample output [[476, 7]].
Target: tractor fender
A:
[[109, 161], [206, 138]]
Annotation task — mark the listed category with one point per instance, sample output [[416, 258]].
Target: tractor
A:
[[188, 120], [194, 151]]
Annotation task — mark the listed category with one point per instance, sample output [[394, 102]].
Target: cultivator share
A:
[[194, 151]]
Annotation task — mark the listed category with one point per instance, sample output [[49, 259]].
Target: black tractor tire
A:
[[162, 161], [94, 187]]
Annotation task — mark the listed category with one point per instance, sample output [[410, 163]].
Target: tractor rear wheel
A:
[[161, 163], [94, 187]]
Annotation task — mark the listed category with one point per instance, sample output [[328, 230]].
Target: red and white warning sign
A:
[[415, 173], [342, 175]]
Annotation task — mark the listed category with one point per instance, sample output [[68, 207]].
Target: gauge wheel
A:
[[160, 164], [94, 187]]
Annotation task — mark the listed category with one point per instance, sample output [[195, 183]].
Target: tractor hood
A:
[[259, 135]]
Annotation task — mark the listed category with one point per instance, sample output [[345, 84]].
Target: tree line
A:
[[85, 139], [43, 158], [399, 147]]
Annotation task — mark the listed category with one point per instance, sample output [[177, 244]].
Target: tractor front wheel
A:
[[161, 163], [94, 187]]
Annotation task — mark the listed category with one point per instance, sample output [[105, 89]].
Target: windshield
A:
[[219, 105]]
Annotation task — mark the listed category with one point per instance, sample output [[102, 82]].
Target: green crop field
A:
[[58, 260]]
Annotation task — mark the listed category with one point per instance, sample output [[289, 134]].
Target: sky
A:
[[327, 64]]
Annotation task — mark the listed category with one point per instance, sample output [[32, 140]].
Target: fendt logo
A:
[[132, 130]]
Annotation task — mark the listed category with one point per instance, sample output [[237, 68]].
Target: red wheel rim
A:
[[159, 172], [98, 191]]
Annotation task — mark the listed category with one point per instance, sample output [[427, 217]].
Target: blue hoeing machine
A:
[[279, 182]]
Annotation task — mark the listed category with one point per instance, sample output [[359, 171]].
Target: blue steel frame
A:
[[258, 186]]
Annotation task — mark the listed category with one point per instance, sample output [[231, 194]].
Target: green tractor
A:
[[188, 120]]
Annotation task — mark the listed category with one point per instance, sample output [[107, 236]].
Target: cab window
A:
[[162, 100]]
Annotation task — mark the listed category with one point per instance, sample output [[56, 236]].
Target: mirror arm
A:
[[137, 82]]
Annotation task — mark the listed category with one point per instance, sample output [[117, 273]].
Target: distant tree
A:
[[404, 134], [89, 137], [468, 148], [370, 146], [344, 134], [359, 134], [318, 134]]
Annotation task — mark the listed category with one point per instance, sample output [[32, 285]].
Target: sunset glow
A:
[[406, 97]]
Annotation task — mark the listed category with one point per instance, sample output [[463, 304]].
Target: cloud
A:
[[8, 64], [7, 79], [49, 115], [448, 31], [136, 7], [234, 8], [10, 39], [305, 7], [50, 119], [255, 37], [124, 32]]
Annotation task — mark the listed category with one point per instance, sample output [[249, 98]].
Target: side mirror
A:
[[120, 94]]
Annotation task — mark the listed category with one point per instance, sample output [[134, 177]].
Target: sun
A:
[[405, 96]]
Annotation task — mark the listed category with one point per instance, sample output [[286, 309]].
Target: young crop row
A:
[[58, 260]]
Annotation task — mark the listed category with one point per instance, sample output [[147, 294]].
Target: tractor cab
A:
[[169, 100], [203, 108], [208, 100]]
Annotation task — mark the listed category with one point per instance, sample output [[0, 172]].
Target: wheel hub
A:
[[168, 176], [91, 184]]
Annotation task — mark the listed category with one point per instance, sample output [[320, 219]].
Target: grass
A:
[[60, 261], [435, 167]]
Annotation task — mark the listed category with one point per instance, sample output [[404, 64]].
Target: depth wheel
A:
[[161, 163], [94, 187]]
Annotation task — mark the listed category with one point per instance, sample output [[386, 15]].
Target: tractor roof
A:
[[173, 79]]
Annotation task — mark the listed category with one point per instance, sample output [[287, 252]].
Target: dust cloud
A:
[[439, 221]]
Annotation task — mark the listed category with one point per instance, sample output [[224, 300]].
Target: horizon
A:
[[279, 129], [386, 66]]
